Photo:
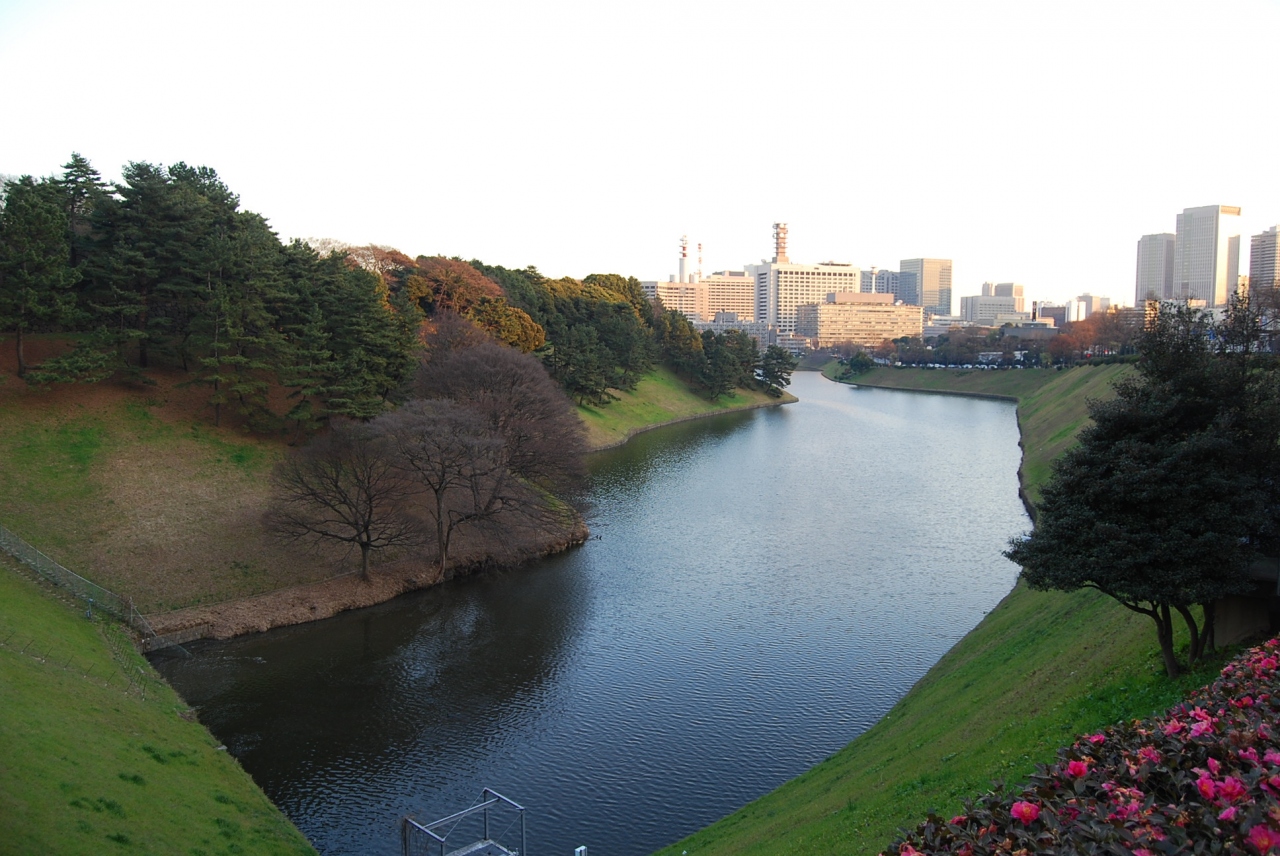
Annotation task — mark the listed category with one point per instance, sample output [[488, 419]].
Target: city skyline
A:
[[580, 138]]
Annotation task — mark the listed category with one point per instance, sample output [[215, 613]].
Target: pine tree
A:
[[35, 276]]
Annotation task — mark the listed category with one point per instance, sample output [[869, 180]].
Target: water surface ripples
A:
[[765, 586]]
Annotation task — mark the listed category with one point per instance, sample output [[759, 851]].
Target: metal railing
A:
[[419, 839], [88, 591]]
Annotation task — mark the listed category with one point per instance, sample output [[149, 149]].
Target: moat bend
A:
[[764, 587]]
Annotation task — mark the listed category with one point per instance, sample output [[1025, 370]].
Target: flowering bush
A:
[[1204, 778]]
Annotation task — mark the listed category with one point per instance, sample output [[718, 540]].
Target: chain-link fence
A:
[[90, 592]]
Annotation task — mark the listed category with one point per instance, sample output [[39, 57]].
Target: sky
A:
[[1032, 142]]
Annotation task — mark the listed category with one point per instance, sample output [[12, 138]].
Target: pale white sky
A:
[[1027, 141]]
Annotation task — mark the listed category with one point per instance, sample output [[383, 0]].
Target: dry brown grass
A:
[[131, 486]]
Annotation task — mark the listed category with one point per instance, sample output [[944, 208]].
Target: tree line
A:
[[445, 384], [164, 267]]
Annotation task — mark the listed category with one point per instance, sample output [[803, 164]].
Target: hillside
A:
[[100, 756], [658, 399], [1040, 668]]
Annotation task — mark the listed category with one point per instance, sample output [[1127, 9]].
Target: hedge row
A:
[[1203, 778]]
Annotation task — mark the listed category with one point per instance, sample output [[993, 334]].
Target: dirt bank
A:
[[325, 599]]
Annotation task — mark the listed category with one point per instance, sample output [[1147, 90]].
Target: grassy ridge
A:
[[91, 766], [659, 398], [1040, 668]]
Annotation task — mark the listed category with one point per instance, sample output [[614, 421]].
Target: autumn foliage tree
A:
[[516, 398]]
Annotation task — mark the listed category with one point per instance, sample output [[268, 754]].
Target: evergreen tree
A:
[[775, 369], [35, 274], [82, 190], [1171, 492]]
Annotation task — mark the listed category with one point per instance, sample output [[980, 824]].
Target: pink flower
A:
[[1263, 837], [1095, 739], [1025, 811], [1214, 766], [1201, 728], [1206, 787], [959, 820], [1272, 757], [1200, 714], [908, 850], [1243, 701], [1068, 813], [1149, 754], [1173, 727], [1228, 813], [1249, 754], [1076, 769], [1231, 789], [1142, 851]]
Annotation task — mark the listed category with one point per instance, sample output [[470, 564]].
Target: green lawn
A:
[[1039, 669], [95, 754], [659, 398]]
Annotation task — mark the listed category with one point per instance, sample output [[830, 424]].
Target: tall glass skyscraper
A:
[[1206, 255]]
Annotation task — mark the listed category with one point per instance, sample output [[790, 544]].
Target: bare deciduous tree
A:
[[459, 464], [345, 486]]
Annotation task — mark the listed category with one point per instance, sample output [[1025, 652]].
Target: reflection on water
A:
[[764, 587]]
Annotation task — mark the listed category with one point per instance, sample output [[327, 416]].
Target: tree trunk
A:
[[22, 359], [1164, 632], [442, 535], [364, 561], [1197, 640]]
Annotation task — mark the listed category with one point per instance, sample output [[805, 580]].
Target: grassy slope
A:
[[129, 487], [661, 397], [88, 766], [1040, 668]]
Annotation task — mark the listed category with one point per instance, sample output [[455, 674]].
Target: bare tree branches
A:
[[456, 462], [517, 399], [345, 487]]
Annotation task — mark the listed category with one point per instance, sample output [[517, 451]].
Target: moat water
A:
[[764, 586]]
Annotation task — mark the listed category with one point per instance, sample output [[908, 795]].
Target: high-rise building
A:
[[1264, 260], [901, 285], [933, 280], [1155, 268], [1015, 290], [732, 291], [857, 318], [1087, 304], [782, 286], [985, 309], [1057, 313], [1206, 255]]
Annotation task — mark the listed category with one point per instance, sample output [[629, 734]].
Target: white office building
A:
[[1154, 279], [985, 310], [781, 286], [1013, 290], [1206, 255], [1264, 260]]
